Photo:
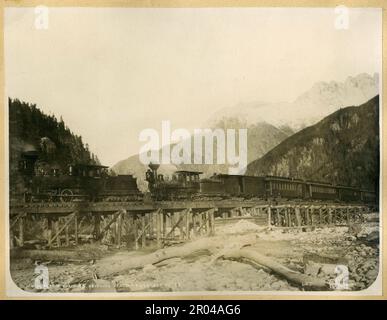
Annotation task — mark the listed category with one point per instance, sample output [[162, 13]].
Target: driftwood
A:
[[294, 277], [105, 267]]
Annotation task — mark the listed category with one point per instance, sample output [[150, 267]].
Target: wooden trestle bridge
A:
[[159, 223]]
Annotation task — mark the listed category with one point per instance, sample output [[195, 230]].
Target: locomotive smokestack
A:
[[154, 167]]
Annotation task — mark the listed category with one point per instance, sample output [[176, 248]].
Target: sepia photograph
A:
[[192, 151]]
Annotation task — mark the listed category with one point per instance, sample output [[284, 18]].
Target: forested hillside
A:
[[31, 129]]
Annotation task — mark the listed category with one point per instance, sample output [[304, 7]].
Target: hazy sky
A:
[[113, 72]]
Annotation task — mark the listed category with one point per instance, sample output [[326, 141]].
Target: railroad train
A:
[[188, 185], [93, 183]]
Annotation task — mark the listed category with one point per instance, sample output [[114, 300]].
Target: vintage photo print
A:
[[192, 151]]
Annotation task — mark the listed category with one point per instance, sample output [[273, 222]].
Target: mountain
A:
[[320, 100], [343, 148], [268, 124], [261, 137]]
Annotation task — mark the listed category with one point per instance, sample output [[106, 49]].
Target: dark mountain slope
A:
[[343, 148]]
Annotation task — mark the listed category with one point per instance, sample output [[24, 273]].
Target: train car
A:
[[279, 187], [349, 194], [240, 185], [254, 187], [368, 196], [121, 188], [320, 191], [212, 187], [233, 184]]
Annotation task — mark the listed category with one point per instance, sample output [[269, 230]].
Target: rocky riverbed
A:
[[329, 253]]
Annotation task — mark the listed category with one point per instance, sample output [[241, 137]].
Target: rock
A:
[[363, 253], [276, 285], [372, 274], [373, 236], [312, 268]]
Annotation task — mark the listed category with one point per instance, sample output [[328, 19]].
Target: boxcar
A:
[[254, 187], [212, 187], [233, 184], [239, 185]]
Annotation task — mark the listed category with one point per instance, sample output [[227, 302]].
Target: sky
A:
[[112, 72]]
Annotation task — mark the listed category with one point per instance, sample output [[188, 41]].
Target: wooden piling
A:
[[194, 224], [212, 222], [348, 215], [159, 217], [67, 236], [329, 215], [208, 228], [97, 226], [76, 228], [21, 231], [135, 231], [56, 231], [119, 230], [307, 216], [269, 216], [187, 221], [143, 231], [298, 216], [49, 231], [164, 225]]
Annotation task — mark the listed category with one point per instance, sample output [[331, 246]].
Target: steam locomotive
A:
[[93, 183], [77, 182]]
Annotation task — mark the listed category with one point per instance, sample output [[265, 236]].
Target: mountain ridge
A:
[[343, 148]]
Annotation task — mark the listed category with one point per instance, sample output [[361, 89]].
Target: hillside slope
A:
[[31, 129], [343, 148]]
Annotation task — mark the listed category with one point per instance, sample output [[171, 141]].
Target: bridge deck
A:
[[141, 207]]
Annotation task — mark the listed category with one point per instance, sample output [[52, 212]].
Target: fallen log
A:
[[105, 267], [293, 277]]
